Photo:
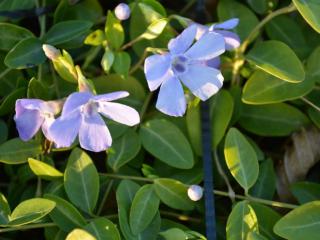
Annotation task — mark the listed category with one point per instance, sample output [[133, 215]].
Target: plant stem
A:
[[55, 81], [105, 197], [145, 105], [5, 72], [310, 103], [139, 63], [117, 176], [187, 6], [129, 44], [181, 217]]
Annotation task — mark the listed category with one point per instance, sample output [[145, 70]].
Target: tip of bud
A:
[[122, 11], [195, 192], [50, 51]]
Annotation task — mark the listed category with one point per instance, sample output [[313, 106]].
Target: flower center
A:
[[90, 107], [179, 64]]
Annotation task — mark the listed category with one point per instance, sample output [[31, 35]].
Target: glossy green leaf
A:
[[65, 215], [81, 181], [262, 6], [36, 89], [241, 221], [95, 38], [233, 9], [193, 122], [309, 9], [79, 234], [173, 193], [107, 60], [114, 31], [263, 88], [241, 159], [282, 63], [30, 211], [44, 170], [15, 151], [221, 110], [65, 31], [278, 119], [155, 29], [5, 211], [300, 223], [144, 207], [121, 64], [124, 149], [314, 116], [174, 234], [265, 185], [3, 131], [8, 102], [103, 229], [255, 236], [313, 65], [306, 191], [27, 53], [65, 67], [11, 34], [166, 142]]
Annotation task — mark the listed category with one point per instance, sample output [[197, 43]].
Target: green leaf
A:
[[173, 193], [122, 62], [278, 119], [193, 123], [123, 150], [282, 62], [15, 151], [313, 65], [3, 131], [43, 170], [65, 215], [265, 185], [310, 11], [103, 229], [5, 211], [30, 211], [263, 88], [27, 53], [144, 208], [95, 38], [314, 116], [233, 9], [65, 67], [155, 29], [301, 223], [221, 110], [81, 181], [241, 159], [174, 234], [36, 89], [166, 142], [65, 31], [262, 6], [241, 221], [306, 191], [255, 236], [114, 31], [11, 34], [8, 102], [107, 60], [79, 234]]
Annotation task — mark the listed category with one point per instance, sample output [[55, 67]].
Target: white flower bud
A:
[[195, 192], [51, 52], [122, 11]]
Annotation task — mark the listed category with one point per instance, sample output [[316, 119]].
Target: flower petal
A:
[[201, 30], [65, 129], [119, 113], [182, 42], [74, 101], [45, 127], [111, 96], [214, 63], [28, 123], [30, 104], [155, 68], [94, 134], [171, 99], [231, 39], [209, 46], [202, 81], [229, 24]]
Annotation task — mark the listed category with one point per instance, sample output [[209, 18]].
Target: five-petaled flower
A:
[[185, 63], [81, 116], [33, 114]]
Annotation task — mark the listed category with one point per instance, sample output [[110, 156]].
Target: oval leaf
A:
[[166, 142], [301, 223], [144, 207], [30, 211], [278, 59], [310, 11], [173, 193], [81, 181], [241, 159], [155, 29], [79, 234], [103, 229], [43, 170]]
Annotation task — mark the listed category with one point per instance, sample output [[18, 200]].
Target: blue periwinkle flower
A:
[[81, 116], [33, 114], [122, 11], [185, 62]]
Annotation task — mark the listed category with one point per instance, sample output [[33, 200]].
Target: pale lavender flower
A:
[[81, 116], [185, 63], [33, 114], [122, 11]]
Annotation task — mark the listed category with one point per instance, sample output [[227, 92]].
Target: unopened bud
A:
[[51, 52], [195, 192], [122, 11]]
